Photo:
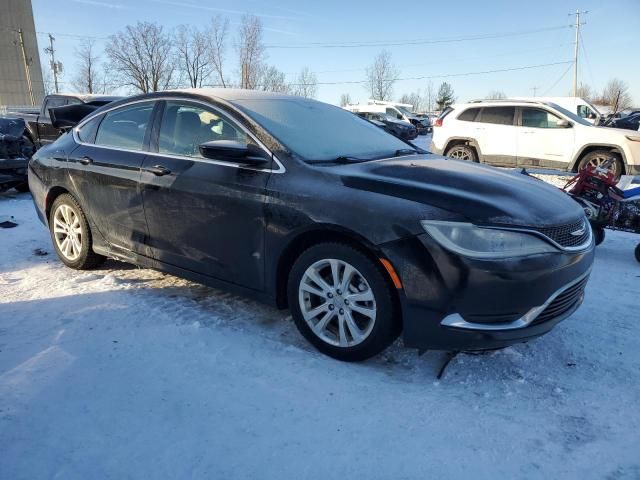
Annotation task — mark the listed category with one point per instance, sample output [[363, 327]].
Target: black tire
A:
[[601, 155], [23, 187], [637, 252], [87, 258], [386, 326], [462, 151], [599, 235]]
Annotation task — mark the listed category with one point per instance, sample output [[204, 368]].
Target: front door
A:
[[204, 215], [105, 171], [542, 142]]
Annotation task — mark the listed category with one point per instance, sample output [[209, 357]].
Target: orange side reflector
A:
[[392, 273]]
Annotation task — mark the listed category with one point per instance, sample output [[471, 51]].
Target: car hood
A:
[[482, 194]]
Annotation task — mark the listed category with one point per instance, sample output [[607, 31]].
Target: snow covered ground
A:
[[129, 373]]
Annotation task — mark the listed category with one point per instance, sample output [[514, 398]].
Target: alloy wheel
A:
[[599, 160], [459, 154], [337, 303], [67, 232]]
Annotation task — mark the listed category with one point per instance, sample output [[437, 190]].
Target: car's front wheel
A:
[[341, 302], [462, 152], [599, 158], [71, 234]]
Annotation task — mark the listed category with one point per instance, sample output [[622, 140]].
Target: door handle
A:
[[159, 170], [86, 160]]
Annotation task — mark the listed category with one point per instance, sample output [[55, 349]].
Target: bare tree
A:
[[496, 95], [193, 56], [251, 51], [273, 80], [414, 99], [345, 99], [381, 76], [616, 95], [584, 91], [218, 39], [141, 57], [306, 84], [86, 79], [429, 97]]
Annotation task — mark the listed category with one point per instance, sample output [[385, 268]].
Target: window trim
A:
[[155, 123]]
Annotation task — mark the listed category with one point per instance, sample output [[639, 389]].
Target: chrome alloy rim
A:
[[459, 154], [337, 303], [599, 160], [67, 232]]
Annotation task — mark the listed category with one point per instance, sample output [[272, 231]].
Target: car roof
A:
[[231, 94], [506, 102], [88, 97]]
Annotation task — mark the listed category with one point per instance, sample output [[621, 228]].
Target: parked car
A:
[[532, 134], [398, 111], [630, 122], [361, 235], [39, 129], [400, 129]]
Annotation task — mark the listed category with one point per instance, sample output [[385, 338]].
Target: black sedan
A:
[[399, 128], [310, 207]]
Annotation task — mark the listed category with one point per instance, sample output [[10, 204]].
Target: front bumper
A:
[[451, 302]]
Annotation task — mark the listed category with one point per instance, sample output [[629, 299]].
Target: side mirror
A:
[[562, 123], [233, 151]]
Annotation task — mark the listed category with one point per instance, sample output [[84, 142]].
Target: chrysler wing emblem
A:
[[579, 232]]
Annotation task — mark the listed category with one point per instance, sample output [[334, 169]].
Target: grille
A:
[[563, 302], [563, 234]]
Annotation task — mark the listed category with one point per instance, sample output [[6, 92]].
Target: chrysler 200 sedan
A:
[[361, 235]]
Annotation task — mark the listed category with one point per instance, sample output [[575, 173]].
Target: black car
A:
[[630, 122], [399, 128], [307, 206]]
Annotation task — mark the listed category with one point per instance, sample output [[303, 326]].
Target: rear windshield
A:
[[317, 131]]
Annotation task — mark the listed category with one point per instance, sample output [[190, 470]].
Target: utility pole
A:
[[535, 91], [575, 56], [54, 65], [27, 65]]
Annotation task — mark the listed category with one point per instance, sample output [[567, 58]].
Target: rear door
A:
[[105, 170], [541, 141], [204, 215], [495, 132]]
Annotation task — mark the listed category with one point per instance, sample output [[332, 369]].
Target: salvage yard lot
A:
[[123, 372]]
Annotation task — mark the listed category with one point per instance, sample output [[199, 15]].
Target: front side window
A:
[[125, 127], [316, 131], [498, 115], [185, 126], [538, 118]]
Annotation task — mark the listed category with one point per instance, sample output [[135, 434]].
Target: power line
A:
[[586, 59], [415, 42], [558, 80]]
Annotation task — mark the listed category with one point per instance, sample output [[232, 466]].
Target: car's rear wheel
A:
[[71, 234], [462, 152], [341, 302], [599, 235], [22, 187], [637, 252], [598, 158]]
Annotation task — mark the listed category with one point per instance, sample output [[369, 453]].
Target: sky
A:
[[435, 41]]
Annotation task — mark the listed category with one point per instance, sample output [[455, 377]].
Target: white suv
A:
[[532, 134]]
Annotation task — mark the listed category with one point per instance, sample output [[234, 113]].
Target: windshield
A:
[[406, 111], [317, 131], [569, 114]]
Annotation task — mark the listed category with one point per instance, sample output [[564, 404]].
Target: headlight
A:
[[480, 242]]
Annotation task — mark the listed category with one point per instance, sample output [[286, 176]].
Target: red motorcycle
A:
[[606, 205]]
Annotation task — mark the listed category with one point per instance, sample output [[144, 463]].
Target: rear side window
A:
[[53, 102], [125, 127], [498, 115], [87, 133], [469, 115]]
